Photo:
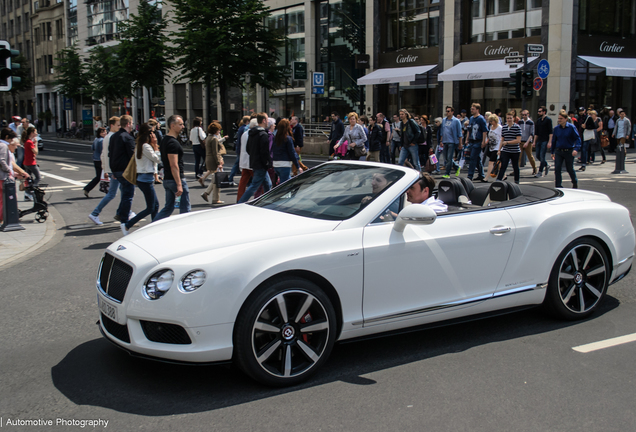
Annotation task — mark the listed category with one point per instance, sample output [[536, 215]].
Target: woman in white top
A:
[[197, 136], [147, 157], [494, 142]]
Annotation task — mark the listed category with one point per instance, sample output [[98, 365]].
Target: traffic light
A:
[[7, 67], [514, 88], [528, 83]]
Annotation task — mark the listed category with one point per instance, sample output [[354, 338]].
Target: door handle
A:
[[499, 230]]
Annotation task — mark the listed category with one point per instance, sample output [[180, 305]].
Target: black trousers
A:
[[98, 174]]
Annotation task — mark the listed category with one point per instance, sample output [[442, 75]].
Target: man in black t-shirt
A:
[[173, 177], [121, 148]]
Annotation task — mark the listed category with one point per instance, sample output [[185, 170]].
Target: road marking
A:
[[607, 343], [68, 167], [68, 143], [64, 179]]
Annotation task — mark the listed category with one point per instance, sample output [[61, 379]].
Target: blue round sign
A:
[[543, 69]]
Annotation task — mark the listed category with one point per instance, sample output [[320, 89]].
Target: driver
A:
[[421, 193]]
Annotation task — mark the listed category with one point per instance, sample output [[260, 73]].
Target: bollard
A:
[[620, 160], [10, 213]]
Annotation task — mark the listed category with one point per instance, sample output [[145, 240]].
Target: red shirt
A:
[[29, 153]]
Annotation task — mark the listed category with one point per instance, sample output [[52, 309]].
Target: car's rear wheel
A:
[[285, 332], [579, 280]]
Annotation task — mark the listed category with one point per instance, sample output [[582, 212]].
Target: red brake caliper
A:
[[306, 320]]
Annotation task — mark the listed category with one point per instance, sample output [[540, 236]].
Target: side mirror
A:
[[416, 214]]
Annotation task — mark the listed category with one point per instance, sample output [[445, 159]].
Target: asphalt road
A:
[[513, 372]]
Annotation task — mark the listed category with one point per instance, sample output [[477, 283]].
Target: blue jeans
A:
[[585, 152], [199, 159], [235, 169], [475, 161], [127, 195], [542, 148], [395, 145], [284, 173], [171, 190], [152, 204], [438, 155], [560, 156], [413, 151], [449, 153], [261, 177], [112, 192]]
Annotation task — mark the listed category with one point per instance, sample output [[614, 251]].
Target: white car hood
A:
[[577, 195], [218, 228]]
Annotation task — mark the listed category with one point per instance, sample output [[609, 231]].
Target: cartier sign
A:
[[614, 48], [407, 58], [496, 49], [401, 59], [603, 46]]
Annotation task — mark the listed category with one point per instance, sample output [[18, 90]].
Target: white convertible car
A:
[[338, 253]]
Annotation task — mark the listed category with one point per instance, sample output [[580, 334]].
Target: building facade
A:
[[15, 27]]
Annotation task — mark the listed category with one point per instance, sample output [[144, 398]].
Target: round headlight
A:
[[158, 284], [192, 280]]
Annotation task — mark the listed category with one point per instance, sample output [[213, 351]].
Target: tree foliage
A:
[[220, 41], [72, 73], [143, 52], [107, 77]]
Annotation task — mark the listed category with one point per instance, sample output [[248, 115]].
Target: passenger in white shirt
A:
[[421, 193]]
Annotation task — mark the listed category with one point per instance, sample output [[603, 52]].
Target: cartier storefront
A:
[[606, 73], [483, 75]]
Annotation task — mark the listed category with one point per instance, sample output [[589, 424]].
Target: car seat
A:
[[452, 192]]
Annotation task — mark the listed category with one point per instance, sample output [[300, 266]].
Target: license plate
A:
[[107, 309]]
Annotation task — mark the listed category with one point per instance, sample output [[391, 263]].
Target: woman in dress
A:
[[494, 143], [147, 157], [97, 159], [284, 155], [30, 152], [213, 162]]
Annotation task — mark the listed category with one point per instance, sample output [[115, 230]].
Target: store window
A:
[[290, 22], [72, 22], [411, 24], [103, 18], [609, 18], [493, 20], [341, 35]]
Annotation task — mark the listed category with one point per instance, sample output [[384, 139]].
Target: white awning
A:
[[479, 70], [394, 75], [622, 67]]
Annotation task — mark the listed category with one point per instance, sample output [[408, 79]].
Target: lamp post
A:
[[81, 90]]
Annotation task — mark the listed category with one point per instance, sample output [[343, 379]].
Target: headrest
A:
[[468, 184], [449, 191], [503, 191]]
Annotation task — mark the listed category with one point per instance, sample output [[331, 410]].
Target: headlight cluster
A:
[[192, 281], [160, 282]]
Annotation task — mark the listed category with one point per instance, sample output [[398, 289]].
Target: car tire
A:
[[578, 281], [284, 332]]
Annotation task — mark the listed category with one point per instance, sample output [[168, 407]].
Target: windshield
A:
[[330, 191]]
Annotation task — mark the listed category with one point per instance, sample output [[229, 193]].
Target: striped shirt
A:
[[510, 133]]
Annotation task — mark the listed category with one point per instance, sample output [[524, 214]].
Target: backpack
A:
[[421, 139]]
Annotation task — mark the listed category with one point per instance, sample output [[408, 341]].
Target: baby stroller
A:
[[40, 207]]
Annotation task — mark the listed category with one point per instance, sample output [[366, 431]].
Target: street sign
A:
[[68, 104], [513, 60], [513, 54], [319, 80], [543, 69], [535, 48], [537, 84], [318, 90], [299, 70]]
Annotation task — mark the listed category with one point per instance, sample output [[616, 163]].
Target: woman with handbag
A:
[[589, 137], [599, 135], [214, 151], [147, 157], [355, 135], [284, 155]]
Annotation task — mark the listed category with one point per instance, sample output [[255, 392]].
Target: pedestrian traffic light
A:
[[528, 83], [7, 67], [514, 88]]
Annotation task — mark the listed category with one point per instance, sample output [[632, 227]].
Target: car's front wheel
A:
[[285, 332], [579, 280]]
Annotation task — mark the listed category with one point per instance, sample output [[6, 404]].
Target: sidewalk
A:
[[16, 245]]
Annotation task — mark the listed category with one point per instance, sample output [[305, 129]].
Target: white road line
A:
[[64, 179], [69, 143], [607, 343]]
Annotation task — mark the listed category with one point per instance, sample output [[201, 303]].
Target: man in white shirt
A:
[[114, 184], [421, 193]]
